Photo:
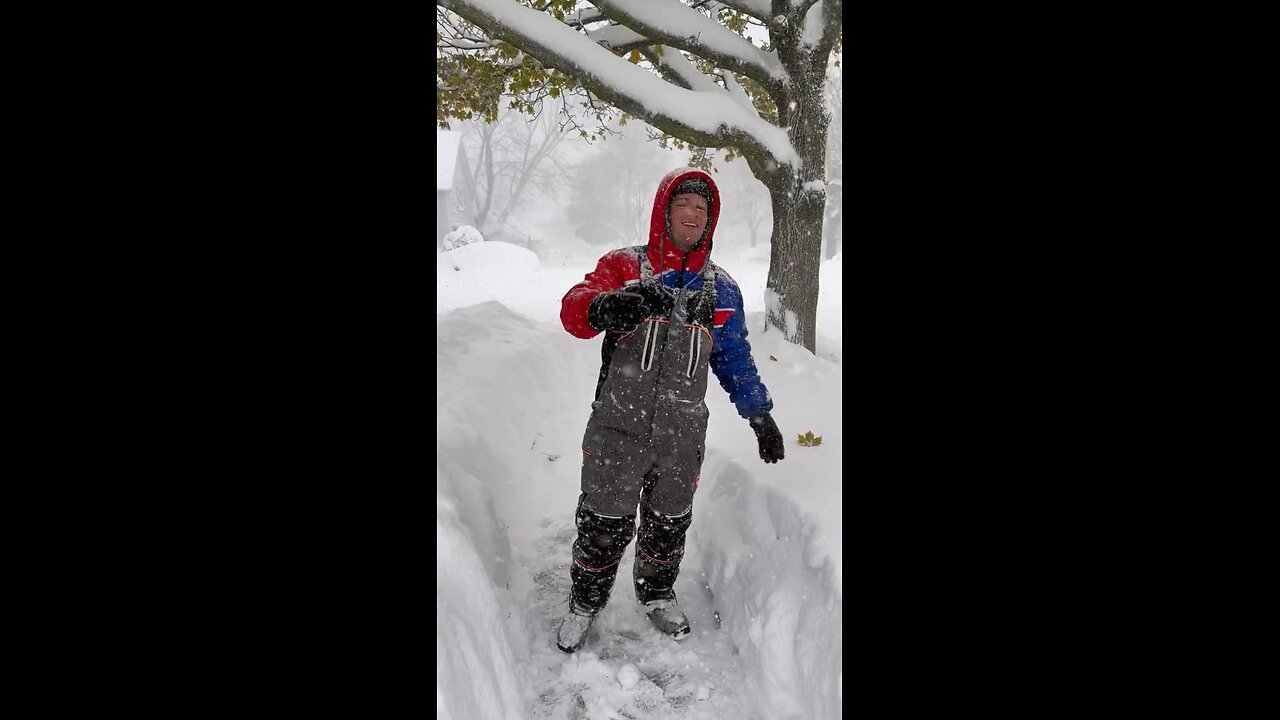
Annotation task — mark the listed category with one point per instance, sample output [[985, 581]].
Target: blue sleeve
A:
[[731, 357]]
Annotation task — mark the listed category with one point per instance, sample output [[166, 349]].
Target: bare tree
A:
[[613, 188], [515, 157]]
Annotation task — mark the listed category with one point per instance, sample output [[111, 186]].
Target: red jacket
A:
[[619, 267], [731, 354]]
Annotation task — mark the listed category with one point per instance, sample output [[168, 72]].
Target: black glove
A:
[[658, 297], [619, 311], [772, 448]]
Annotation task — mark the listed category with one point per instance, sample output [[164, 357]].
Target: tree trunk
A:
[[791, 293], [799, 201], [486, 162]]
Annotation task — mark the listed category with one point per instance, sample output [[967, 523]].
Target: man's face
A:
[[688, 219]]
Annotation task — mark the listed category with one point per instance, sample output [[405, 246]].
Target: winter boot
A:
[[659, 550], [600, 544], [573, 629], [667, 617]]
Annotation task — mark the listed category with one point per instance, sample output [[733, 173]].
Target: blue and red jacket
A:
[[731, 360]]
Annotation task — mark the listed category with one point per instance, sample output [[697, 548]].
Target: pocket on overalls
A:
[[699, 350], [649, 350]]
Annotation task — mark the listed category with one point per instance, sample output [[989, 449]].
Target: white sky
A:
[[513, 393]]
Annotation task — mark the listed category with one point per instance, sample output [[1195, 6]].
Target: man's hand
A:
[[772, 448], [618, 311], [658, 297]]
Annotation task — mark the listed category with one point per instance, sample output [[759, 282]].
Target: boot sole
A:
[[678, 634], [573, 648]]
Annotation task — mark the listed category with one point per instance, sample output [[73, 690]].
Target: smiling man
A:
[[668, 314]]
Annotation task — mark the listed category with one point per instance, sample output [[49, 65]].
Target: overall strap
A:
[[709, 281], [646, 270]]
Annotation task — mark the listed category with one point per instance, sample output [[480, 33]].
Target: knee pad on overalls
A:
[[659, 550], [601, 541], [661, 536]]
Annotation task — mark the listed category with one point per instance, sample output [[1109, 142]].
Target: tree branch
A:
[[680, 26], [758, 9], [831, 30], [705, 119], [736, 91], [618, 37], [584, 16], [693, 78], [468, 44], [667, 72]]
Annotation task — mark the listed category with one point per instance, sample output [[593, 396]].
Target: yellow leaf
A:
[[809, 440], [635, 56]]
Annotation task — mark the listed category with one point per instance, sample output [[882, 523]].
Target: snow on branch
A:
[[814, 23], [707, 119], [585, 16], [670, 22], [693, 78], [736, 91], [467, 44], [618, 37], [831, 10], [758, 9]]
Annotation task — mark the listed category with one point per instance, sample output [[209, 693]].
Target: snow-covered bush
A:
[[464, 235]]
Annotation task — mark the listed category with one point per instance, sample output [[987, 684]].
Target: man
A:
[[668, 314]]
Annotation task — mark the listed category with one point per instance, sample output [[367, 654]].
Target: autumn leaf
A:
[[634, 57], [809, 439]]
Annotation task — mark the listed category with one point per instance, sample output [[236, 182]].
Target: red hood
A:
[[663, 253]]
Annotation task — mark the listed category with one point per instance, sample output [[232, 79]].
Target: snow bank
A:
[[771, 535], [463, 236], [776, 592], [497, 374], [487, 257], [475, 665], [505, 273]]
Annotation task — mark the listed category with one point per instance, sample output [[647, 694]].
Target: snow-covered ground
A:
[[762, 580]]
